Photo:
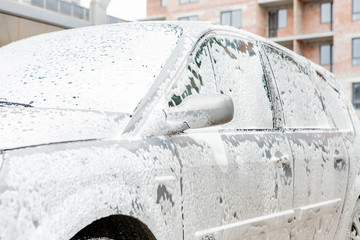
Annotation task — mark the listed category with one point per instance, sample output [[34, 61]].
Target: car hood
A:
[[25, 126]]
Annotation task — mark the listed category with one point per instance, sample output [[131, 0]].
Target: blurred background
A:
[[324, 31]]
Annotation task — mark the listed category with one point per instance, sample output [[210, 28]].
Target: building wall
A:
[[345, 29], [154, 8], [312, 51], [253, 16], [13, 28], [312, 19]]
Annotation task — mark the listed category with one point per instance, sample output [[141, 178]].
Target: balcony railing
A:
[[63, 7], [274, 3]]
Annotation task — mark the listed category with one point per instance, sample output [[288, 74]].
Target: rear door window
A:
[[301, 101], [333, 100]]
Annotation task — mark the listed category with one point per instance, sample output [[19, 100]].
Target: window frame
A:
[[355, 59], [356, 103], [355, 15], [231, 17]]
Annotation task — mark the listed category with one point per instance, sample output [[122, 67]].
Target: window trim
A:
[[355, 13], [353, 52], [231, 14]]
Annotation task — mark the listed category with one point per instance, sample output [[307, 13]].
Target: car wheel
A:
[[354, 229], [115, 228]]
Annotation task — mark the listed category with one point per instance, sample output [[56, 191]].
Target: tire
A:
[[117, 228], [354, 228]]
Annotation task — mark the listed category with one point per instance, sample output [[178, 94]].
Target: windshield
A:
[[107, 68]]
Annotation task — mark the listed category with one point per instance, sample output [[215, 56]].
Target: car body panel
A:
[[230, 161], [321, 174], [28, 126], [282, 225], [77, 183]]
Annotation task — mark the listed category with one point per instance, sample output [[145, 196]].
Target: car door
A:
[[237, 178], [320, 156]]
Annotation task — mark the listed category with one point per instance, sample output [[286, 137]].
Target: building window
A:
[[163, 3], [326, 13], [326, 55], [52, 5], [188, 1], [356, 10], [356, 95], [65, 8], [190, 18], [38, 3], [277, 20], [356, 51], [282, 18], [232, 18]]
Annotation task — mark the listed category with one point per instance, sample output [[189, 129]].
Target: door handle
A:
[[283, 159], [339, 158]]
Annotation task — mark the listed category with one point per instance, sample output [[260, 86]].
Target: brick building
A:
[[324, 31]]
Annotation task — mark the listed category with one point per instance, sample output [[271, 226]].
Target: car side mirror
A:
[[199, 111]]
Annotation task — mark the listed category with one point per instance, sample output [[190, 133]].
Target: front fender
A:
[[54, 191]]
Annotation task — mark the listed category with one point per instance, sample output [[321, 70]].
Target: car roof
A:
[[192, 30], [196, 29]]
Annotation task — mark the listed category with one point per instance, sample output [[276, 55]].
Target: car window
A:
[[333, 101], [197, 78], [300, 99], [239, 74]]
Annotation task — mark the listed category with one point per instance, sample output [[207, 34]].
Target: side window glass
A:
[[197, 78], [239, 74], [302, 104], [333, 101]]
